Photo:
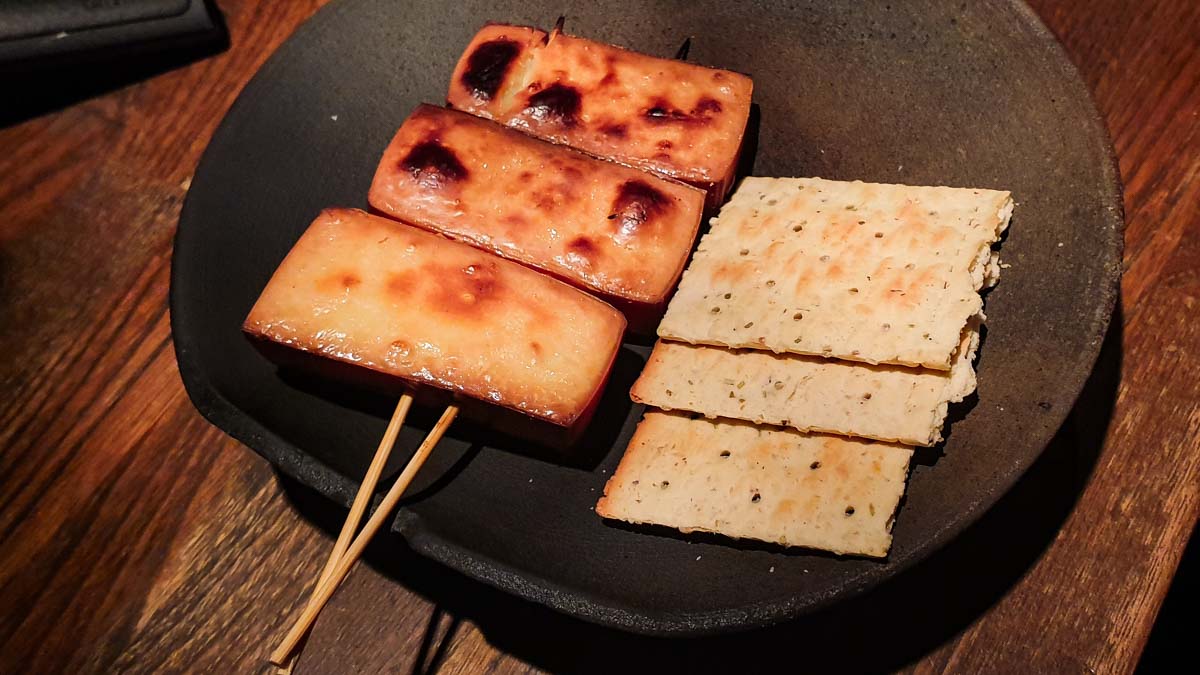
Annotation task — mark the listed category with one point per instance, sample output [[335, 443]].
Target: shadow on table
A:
[[882, 630], [1171, 639]]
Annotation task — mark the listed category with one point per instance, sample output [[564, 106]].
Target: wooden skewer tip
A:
[[681, 54], [558, 28], [374, 524], [361, 500]]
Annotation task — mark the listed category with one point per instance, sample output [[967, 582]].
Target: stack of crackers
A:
[[821, 331]]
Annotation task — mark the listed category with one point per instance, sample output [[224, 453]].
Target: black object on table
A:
[[55, 52]]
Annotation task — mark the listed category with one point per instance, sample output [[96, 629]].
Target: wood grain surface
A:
[[134, 537]]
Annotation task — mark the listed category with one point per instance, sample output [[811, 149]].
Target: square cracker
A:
[[858, 271], [809, 393], [776, 485]]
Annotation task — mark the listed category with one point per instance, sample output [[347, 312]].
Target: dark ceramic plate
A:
[[968, 94]]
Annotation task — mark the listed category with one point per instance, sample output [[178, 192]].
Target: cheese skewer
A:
[[677, 119], [389, 306], [617, 232]]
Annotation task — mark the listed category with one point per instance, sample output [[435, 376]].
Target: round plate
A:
[[928, 93]]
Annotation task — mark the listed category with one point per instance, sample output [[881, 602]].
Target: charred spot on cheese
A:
[[636, 203], [662, 112], [341, 281], [514, 220], [583, 247], [610, 70], [465, 291], [615, 130], [556, 102], [487, 66], [571, 173], [554, 194], [402, 284], [433, 165]]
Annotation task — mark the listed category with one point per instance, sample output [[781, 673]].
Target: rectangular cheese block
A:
[[618, 232], [808, 393], [858, 271], [742, 481], [676, 119], [402, 303]]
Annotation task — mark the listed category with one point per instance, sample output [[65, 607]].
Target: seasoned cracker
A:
[[735, 479], [809, 393], [857, 271]]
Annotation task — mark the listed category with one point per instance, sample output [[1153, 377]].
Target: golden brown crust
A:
[[674, 118], [410, 304], [742, 481], [606, 227]]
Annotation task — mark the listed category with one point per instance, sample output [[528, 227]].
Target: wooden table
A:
[[136, 537]]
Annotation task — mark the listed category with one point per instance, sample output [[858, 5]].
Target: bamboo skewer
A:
[[681, 54], [361, 501], [558, 28], [324, 591]]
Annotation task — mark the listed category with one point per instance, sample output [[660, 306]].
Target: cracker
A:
[[780, 486], [809, 393], [857, 271]]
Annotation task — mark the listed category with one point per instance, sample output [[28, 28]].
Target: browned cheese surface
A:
[[368, 291], [135, 537], [605, 227], [675, 118]]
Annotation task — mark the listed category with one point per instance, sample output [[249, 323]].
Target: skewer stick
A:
[[558, 28], [378, 518], [361, 500], [681, 54]]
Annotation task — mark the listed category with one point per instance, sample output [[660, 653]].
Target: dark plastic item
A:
[[47, 34]]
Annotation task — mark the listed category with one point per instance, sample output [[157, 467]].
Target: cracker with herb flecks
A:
[[809, 393], [735, 479], [857, 271]]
